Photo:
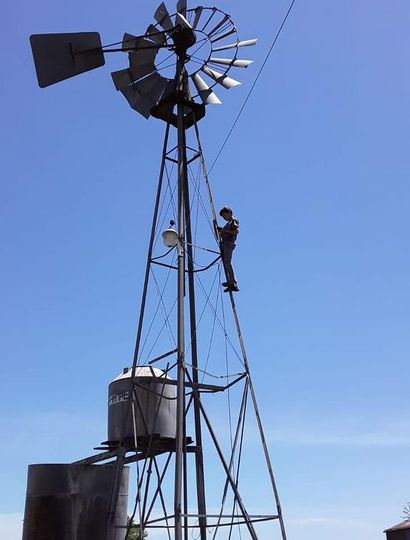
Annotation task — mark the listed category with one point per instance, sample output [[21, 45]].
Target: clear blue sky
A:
[[317, 170]]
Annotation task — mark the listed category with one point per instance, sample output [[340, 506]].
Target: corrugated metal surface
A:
[[398, 534], [71, 502]]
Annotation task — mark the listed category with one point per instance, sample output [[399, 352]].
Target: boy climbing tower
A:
[[228, 235]]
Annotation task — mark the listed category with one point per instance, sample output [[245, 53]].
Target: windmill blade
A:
[[213, 11], [224, 35], [129, 41], [128, 76], [220, 78], [170, 87], [60, 56], [221, 23], [141, 71], [246, 43], [162, 17], [143, 95], [198, 13], [141, 45], [154, 35], [181, 7], [231, 62], [205, 93], [151, 87], [181, 21], [141, 57], [144, 53], [132, 96], [122, 78]]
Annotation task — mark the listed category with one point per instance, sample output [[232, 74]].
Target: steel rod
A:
[[241, 419], [159, 487], [258, 420], [120, 459], [238, 466], [180, 413], [147, 486], [150, 249], [226, 468], [165, 355], [252, 517], [199, 457], [161, 496], [208, 186]]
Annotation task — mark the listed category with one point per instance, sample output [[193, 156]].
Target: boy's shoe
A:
[[225, 284], [231, 288]]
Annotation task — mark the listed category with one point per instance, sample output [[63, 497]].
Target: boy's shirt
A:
[[232, 225]]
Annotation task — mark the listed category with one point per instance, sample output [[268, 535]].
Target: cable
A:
[[253, 85], [160, 304]]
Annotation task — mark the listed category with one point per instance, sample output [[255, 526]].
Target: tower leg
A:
[[259, 421], [120, 455], [180, 420], [199, 459]]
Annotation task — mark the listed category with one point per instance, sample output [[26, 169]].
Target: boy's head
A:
[[226, 213]]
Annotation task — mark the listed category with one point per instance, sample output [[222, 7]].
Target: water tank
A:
[[154, 406], [71, 502]]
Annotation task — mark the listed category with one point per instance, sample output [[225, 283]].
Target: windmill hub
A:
[[183, 39]]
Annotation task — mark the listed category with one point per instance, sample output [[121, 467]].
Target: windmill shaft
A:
[[180, 431], [199, 460], [185, 235]]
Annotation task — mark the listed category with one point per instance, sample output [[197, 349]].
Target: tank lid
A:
[[141, 371]]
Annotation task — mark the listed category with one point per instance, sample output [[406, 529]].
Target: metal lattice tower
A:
[[190, 349]]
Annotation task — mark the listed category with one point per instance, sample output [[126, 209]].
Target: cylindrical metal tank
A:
[[154, 405], [71, 502]]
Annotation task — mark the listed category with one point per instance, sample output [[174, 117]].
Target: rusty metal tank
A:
[[154, 409], [71, 502]]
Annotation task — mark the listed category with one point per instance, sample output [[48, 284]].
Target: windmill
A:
[[158, 417]]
